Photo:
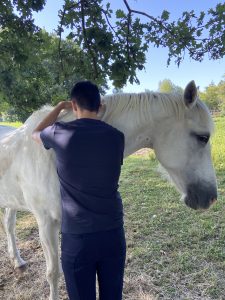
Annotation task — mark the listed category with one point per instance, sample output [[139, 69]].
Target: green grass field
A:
[[179, 249], [14, 124], [173, 252], [182, 251], [218, 143]]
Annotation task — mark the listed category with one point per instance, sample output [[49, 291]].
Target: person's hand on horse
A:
[[65, 104]]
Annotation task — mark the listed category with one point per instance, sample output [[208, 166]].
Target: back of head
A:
[[86, 95]]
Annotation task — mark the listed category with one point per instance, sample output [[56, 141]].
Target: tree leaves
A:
[[214, 96], [167, 86], [165, 15], [101, 44], [36, 77]]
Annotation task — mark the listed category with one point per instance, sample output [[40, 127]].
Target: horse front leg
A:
[[9, 223], [49, 236]]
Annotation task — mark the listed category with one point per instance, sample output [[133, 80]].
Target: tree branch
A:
[[86, 40], [110, 25], [65, 8], [60, 38], [128, 34], [160, 23], [130, 10]]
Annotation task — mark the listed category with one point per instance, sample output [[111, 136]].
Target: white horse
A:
[[177, 127]]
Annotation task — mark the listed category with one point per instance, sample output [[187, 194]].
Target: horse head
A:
[[182, 145]]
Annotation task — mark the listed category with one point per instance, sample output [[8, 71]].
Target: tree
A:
[[214, 96], [210, 96], [221, 94], [117, 91], [167, 86], [101, 45], [4, 106], [115, 50], [37, 78]]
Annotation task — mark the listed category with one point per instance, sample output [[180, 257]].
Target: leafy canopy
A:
[[93, 42]]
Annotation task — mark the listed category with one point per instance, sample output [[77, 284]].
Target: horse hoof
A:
[[20, 270]]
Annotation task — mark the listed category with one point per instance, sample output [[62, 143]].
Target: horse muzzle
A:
[[200, 196]]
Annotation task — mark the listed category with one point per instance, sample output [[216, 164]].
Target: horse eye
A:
[[203, 139]]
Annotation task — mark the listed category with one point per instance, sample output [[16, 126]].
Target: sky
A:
[[156, 68]]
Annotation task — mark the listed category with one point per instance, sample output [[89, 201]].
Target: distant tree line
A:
[[213, 95]]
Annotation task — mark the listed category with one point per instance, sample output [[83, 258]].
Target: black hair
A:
[[87, 96]]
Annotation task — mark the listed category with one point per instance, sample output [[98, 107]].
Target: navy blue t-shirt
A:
[[89, 155]]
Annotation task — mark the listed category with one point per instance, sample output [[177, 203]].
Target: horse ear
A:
[[190, 94]]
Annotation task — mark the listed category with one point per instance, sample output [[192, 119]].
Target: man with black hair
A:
[[89, 155]]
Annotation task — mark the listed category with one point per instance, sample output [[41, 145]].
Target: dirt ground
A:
[[32, 284]]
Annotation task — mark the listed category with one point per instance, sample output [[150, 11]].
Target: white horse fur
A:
[[168, 123]]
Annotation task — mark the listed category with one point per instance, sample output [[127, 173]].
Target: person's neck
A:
[[87, 114]]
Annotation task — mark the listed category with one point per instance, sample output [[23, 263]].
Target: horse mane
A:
[[143, 106]]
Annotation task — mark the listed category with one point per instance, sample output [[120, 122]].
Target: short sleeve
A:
[[47, 136]]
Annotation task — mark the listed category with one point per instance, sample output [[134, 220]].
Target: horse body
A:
[[173, 125]]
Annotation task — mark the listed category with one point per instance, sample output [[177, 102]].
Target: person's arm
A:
[[50, 119]]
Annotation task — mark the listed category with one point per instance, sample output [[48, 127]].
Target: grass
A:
[[181, 250], [176, 247], [173, 252], [14, 124], [218, 143]]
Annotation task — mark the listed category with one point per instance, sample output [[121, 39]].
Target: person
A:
[[89, 155]]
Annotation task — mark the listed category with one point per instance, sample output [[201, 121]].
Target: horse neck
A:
[[137, 124]]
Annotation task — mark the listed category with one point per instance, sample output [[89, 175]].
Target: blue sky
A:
[[156, 69]]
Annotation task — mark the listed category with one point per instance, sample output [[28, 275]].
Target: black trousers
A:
[[85, 255]]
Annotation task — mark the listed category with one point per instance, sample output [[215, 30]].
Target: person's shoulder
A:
[[59, 124], [65, 125], [115, 130], [119, 133]]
